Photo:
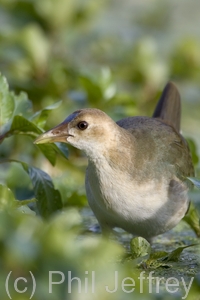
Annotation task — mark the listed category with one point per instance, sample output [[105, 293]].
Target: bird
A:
[[137, 166]]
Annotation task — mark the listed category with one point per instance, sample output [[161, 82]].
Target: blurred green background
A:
[[114, 55]]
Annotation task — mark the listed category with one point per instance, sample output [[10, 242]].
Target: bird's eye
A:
[[82, 125]]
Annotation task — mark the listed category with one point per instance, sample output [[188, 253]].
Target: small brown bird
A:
[[137, 166]]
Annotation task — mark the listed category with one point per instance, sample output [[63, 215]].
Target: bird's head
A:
[[86, 129]]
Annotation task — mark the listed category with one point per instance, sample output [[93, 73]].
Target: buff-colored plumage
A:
[[136, 167]]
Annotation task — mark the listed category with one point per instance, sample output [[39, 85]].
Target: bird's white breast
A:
[[138, 207]]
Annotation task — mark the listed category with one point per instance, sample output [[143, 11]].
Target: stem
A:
[[3, 136]]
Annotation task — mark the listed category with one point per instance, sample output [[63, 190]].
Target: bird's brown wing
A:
[[181, 157], [159, 143]]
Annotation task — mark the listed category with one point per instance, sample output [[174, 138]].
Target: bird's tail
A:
[[168, 107]]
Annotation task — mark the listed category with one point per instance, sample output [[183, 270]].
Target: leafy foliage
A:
[[49, 199], [27, 241], [139, 247], [18, 124], [54, 51], [194, 151], [142, 252]]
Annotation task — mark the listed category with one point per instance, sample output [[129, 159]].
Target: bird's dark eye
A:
[[82, 125]]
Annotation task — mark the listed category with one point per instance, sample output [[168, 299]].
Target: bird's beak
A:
[[56, 134]]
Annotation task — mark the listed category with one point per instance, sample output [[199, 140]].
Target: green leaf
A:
[[49, 152], [106, 82], [23, 106], [195, 181], [11, 104], [139, 247], [93, 90], [19, 203], [36, 45], [158, 255], [40, 117], [22, 206], [192, 219], [62, 149], [20, 125], [7, 198], [49, 199], [194, 151], [175, 254], [26, 210], [76, 199], [161, 258], [7, 103], [156, 260], [13, 123]]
